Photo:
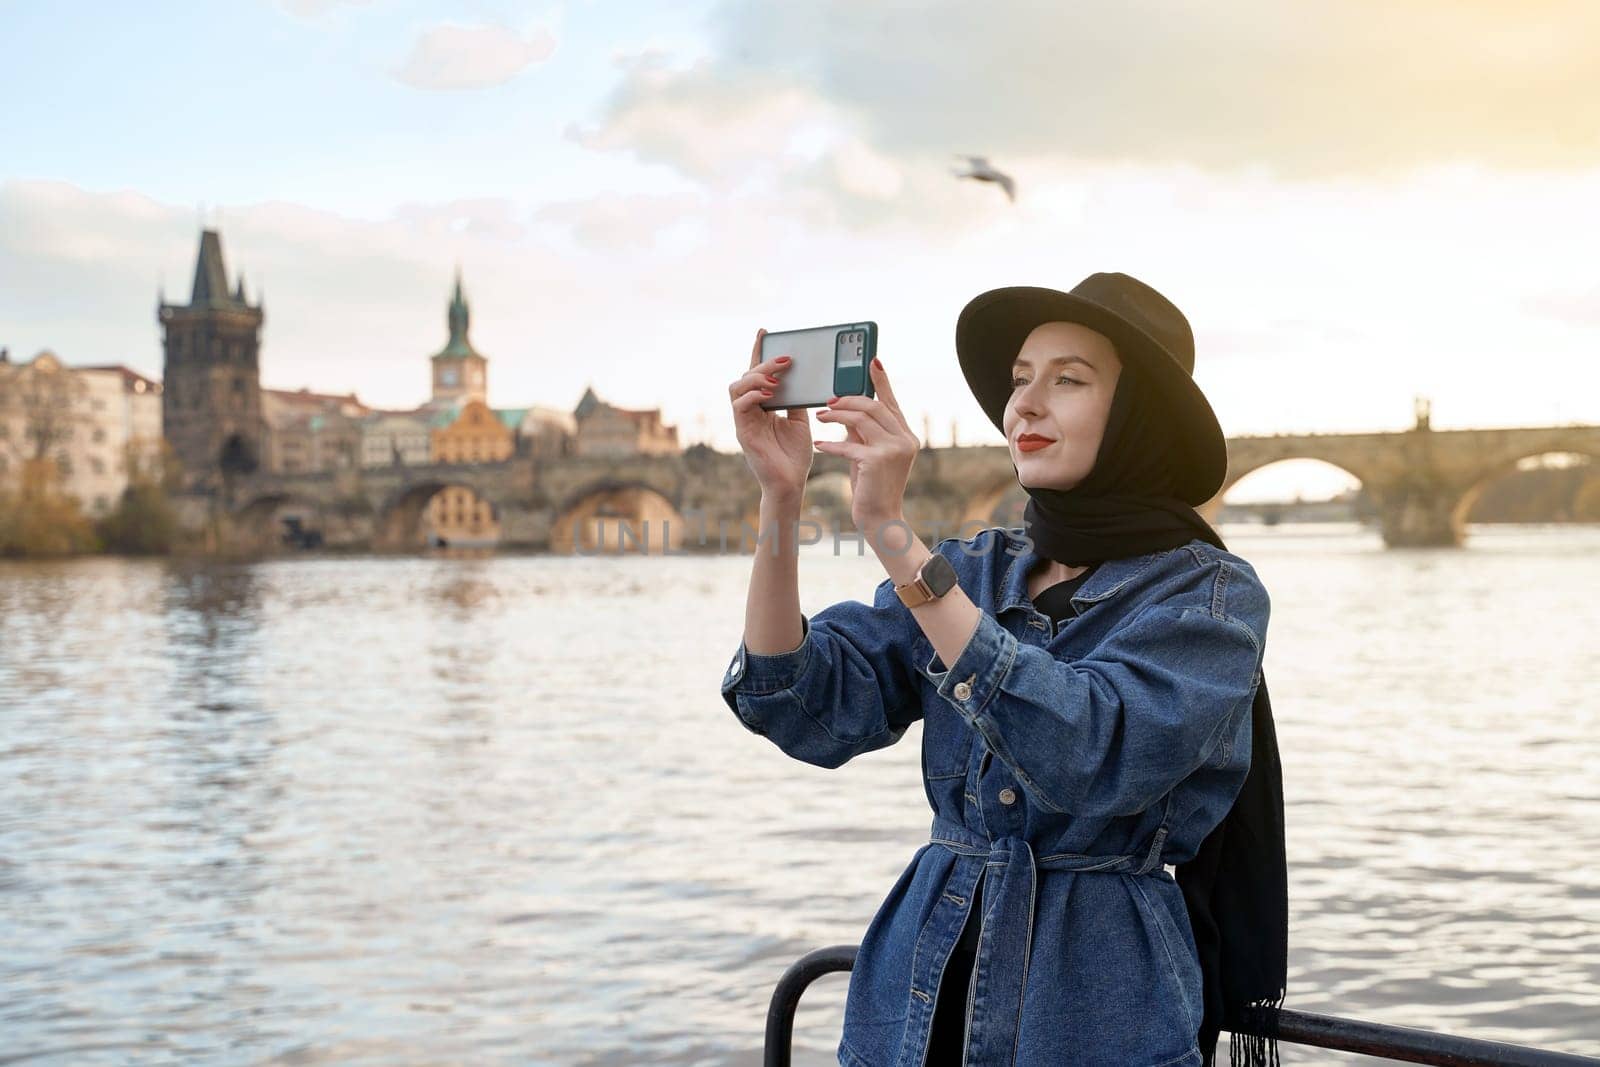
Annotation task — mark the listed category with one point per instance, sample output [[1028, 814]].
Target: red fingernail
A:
[[783, 359], [771, 379], [766, 392], [833, 400]]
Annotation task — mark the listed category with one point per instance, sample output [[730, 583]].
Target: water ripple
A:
[[379, 811]]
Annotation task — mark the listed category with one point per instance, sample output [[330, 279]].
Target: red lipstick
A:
[[1032, 442]]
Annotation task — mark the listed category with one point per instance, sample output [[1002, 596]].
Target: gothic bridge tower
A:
[[211, 396]]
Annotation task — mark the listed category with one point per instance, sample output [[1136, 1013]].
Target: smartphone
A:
[[824, 361]]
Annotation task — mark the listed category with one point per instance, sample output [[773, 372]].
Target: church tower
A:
[[211, 395], [460, 373]]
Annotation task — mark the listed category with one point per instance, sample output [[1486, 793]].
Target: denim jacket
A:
[[1068, 769]]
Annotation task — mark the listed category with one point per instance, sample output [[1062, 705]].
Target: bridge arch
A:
[[265, 524], [237, 456], [1239, 473], [1508, 467], [826, 500], [1342, 484], [617, 516], [399, 522]]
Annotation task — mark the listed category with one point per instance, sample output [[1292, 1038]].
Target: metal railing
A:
[[1399, 1043]]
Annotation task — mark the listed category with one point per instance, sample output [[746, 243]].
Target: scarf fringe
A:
[[1254, 1050]]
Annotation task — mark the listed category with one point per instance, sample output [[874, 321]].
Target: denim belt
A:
[[962, 841], [1012, 901]]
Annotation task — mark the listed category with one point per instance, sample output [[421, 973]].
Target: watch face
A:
[[939, 574]]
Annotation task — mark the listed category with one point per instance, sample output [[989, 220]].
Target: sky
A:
[[1354, 202]]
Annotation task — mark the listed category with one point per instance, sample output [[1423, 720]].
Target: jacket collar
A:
[[1106, 581]]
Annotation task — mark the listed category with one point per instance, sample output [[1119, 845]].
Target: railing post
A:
[[786, 997]]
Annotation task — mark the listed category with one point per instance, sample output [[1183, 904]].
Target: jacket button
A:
[[1008, 796], [962, 691]]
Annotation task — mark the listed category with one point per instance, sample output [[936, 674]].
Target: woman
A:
[[1091, 695]]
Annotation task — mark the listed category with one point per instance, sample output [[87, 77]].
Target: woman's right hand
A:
[[776, 445]]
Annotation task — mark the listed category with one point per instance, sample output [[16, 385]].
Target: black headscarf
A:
[[1236, 886]]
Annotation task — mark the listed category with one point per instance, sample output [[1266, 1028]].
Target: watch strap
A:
[[933, 579]]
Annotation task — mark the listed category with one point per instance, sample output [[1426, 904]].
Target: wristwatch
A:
[[934, 579]]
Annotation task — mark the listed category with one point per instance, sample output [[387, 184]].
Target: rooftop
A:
[[132, 380]]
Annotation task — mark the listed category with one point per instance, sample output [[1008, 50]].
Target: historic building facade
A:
[[309, 431], [396, 439], [477, 434], [603, 429], [84, 429], [546, 432]]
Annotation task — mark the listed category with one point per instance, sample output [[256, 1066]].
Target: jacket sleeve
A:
[[846, 690], [1112, 732]]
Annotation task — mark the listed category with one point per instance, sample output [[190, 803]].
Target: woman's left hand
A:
[[881, 449]]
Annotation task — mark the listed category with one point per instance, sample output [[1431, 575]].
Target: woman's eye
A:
[[1017, 382]]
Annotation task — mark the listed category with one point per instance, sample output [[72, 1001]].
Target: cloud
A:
[[492, 218], [618, 222], [1576, 308], [312, 8], [1309, 90], [715, 129], [453, 56], [753, 133], [1319, 305]]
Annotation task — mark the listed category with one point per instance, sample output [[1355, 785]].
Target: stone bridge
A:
[[1422, 482]]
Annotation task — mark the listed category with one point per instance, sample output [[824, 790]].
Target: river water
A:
[[435, 811]]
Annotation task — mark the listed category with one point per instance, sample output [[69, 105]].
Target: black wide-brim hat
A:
[[1146, 328]]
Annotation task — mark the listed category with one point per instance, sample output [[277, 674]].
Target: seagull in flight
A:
[[978, 167]]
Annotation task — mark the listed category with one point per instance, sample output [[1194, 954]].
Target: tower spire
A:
[[210, 279], [460, 318]]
